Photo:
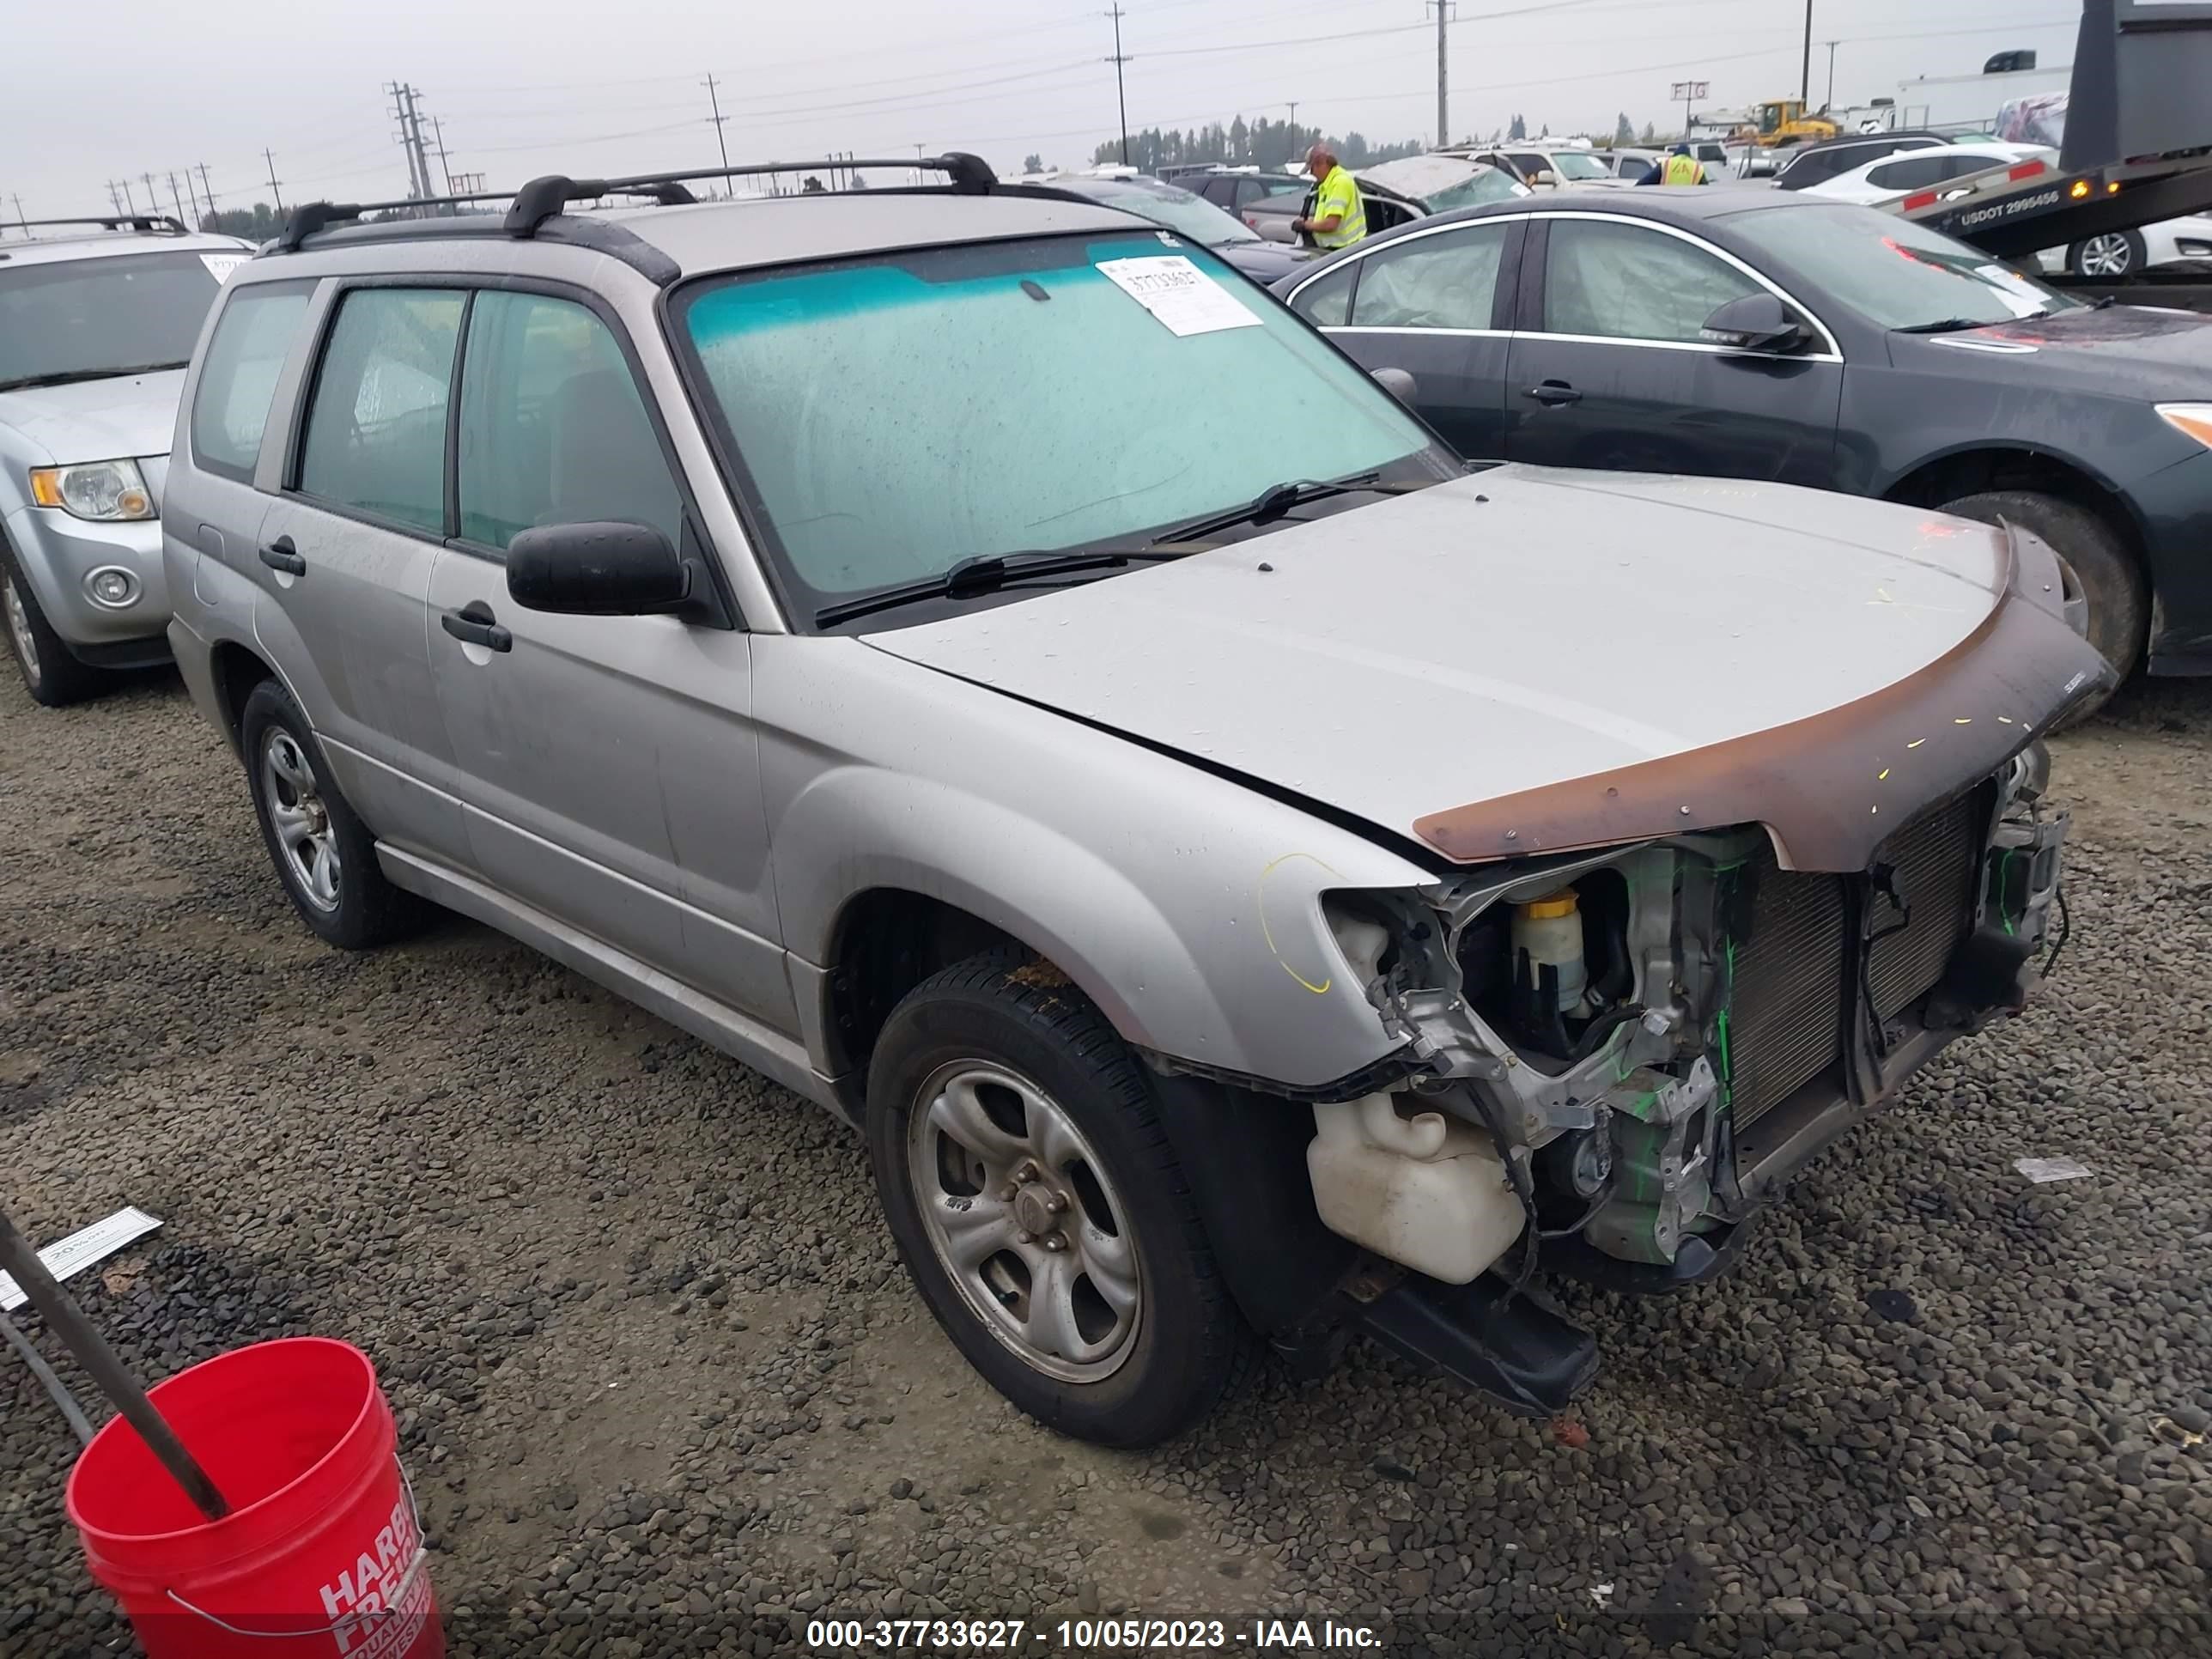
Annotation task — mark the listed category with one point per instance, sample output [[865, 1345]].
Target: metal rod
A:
[[79, 1335], [78, 1422]]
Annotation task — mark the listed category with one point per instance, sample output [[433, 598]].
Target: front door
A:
[[1609, 368], [342, 559], [609, 764], [1430, 303]]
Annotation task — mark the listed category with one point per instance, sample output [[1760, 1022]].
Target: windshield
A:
[[1487, 185], [1894, 273], [1573, 164], [893, 415], [1178, 209], [100, 316]]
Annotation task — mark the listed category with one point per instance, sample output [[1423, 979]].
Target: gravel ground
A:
[[663, 1387]]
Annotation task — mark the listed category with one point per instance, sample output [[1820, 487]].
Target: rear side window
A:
[[1445, 280], [238, 377], [553, 429], [376, 430]]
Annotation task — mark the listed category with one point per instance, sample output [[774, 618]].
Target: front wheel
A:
[[1020, 1160], [50, 674], [2095, 561], [2116, 253]]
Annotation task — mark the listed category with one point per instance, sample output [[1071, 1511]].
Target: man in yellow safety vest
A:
[[1340, 218], [1677, 167]]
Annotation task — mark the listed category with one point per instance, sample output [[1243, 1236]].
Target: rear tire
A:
[[2096, 558], [1090, 1297], [51, 673], [324, 854]]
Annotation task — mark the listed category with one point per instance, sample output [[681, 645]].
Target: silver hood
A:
[[1502, 634], [127, 416]]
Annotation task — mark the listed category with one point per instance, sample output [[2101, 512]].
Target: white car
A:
[[1906, 171], [2123, 253]]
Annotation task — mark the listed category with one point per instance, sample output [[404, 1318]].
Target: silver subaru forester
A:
[[1255, 877]]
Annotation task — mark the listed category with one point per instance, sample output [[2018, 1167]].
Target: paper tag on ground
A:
[[1179, 294], [2040, 1169], [81, 1250], [220, 265]]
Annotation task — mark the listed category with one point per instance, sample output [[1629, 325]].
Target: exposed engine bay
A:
[[1622, 1053]]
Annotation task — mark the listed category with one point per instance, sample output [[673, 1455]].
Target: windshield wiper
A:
[[1954, 325], [69, 376], [1269, 505], [988, 574]]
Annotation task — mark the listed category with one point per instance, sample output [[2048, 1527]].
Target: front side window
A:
[[894, 414], [1622, 282], [1893, 272], [553, 429], [1574, 166], [1326, 302], [89, 320], [238, 377], [1447, 280], [376, 429]]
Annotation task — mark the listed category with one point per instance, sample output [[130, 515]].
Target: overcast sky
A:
[[522, 87]]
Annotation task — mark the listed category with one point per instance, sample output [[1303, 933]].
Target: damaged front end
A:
[[1619, 1056]]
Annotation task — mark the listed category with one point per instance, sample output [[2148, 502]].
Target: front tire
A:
[[2115, 255], [2096, 559], [324, 854], [1020, 1160], [51, 673]]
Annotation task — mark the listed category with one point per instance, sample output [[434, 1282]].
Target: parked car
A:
[[2120, 254], [1631, 164], [1893, 175], [1262, 260], [860, 629], [1235, 190], [1752, 334], [97, 319], [1812, 164], [1543, 168], [1396, 193]]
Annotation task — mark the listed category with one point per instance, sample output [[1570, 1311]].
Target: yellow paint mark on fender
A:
[[1268, 933]]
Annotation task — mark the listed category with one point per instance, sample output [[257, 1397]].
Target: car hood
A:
[[1494, 639], [106, 420], [1264, 262], [2172, 345]]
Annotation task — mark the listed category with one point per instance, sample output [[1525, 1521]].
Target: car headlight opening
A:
[[102, 492]]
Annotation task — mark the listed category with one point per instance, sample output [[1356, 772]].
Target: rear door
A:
[[1609, 369], [1433, 303], [344, 554], [609, 764]]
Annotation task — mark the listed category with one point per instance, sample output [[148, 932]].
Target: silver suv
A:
[[97, 320], [965, 652]]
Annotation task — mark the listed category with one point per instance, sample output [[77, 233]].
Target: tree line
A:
[[1261, 143]]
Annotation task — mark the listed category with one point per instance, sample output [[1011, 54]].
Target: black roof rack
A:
[[541, 198], [546, 198], [162, 224]]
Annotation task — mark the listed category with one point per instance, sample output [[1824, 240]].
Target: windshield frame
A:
[[797, 600], [35, 273], [1819, 276]]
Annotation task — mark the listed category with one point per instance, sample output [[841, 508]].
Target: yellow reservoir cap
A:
[[1549, 910]]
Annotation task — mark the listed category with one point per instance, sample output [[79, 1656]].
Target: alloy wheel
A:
[[306, 839], [2106, 256], [1022, 1218], [19, 628]]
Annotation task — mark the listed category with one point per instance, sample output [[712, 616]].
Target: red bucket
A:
[[322, 1551]]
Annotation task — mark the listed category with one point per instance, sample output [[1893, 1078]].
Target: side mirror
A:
[[1398, 383], [1542, 176], [1758, 322], [595, 570]]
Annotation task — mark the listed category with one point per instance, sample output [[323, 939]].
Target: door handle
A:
[[473, 624], [1553, 393], [281, 554]]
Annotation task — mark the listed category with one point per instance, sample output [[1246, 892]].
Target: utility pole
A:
[[114, 200], [1443, 94], [1805, 76], [176, 198], [1832, 46], [273, 189], [1294, 133], [207, 192], [417, 186], [714, 103], [194, 221], [152, 202], [1121, 92], [445, 166], [129, 204], [21, 223]]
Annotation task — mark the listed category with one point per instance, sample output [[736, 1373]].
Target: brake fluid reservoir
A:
[[1550, 930]]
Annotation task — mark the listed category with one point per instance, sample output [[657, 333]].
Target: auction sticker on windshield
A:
[[220, 265], [1183, 297]]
